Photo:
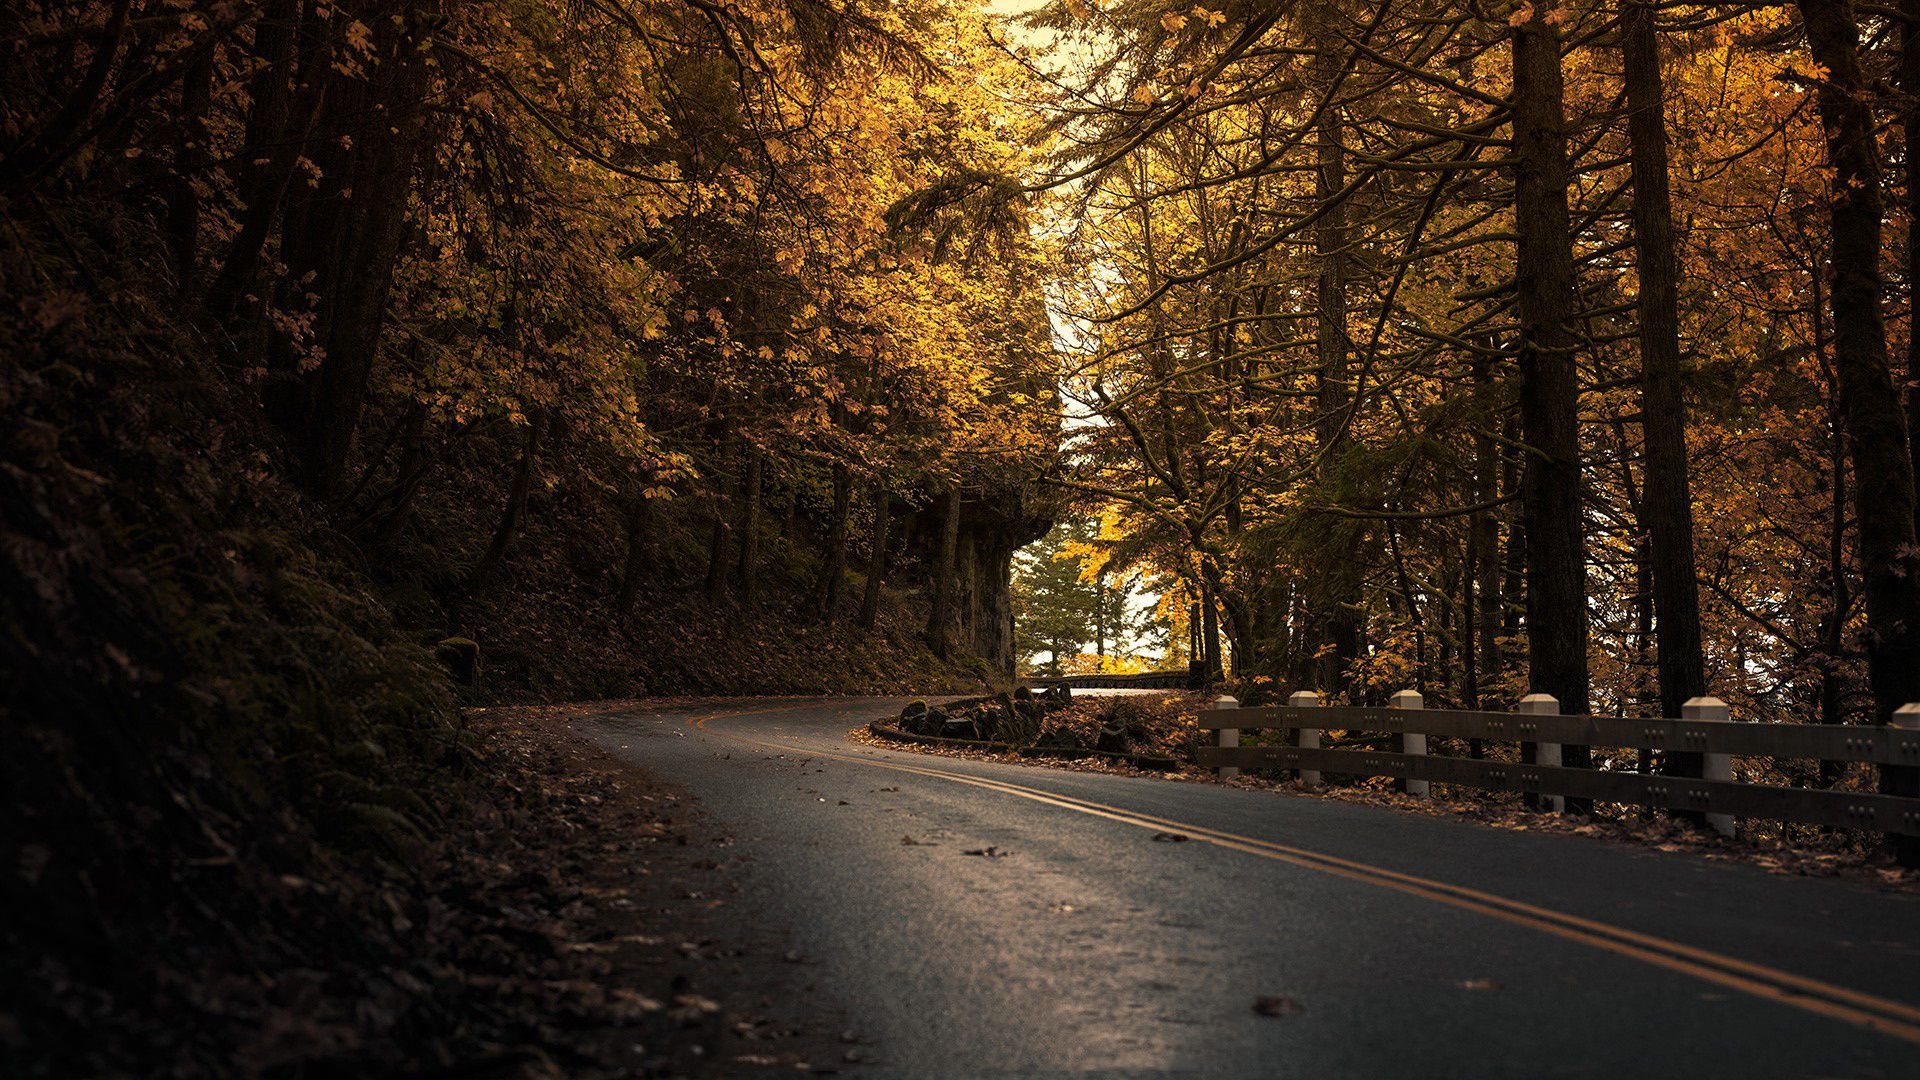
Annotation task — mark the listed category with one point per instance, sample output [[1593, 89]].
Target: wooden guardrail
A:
[[1705, 729], [1152, 680]]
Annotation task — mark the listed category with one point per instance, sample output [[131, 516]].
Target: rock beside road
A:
[[1158, 725]]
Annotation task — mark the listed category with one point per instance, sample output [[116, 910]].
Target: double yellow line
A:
[[1883, 1015]]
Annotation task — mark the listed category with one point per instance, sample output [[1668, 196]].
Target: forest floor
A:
[[574, 920], [1798, 850], [615, 892]]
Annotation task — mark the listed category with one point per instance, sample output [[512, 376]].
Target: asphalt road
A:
[[1404, 945]]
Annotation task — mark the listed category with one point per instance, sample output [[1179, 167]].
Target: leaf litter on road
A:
[[1277, 1006]]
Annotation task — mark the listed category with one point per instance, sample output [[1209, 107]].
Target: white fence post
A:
[[1906, 718], [1545, 753], [1712, 766], [1309, 737], [1229, 737], [1411, 743]]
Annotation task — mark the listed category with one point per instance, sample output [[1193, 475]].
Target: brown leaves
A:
[[1277, 1006]]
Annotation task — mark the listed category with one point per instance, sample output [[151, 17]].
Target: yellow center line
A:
[[1861, 1009]]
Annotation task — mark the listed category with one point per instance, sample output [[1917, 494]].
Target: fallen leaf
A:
[[989, 852], [1170, 838], [1480, 984], [1277, 1006]]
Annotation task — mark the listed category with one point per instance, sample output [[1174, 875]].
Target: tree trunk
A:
[[877, 558], [1210, 633], [1668, 502], [1876, 425], [1910, 85], [1484, 545], [183, 202], [1549, 387], [1340, 621], [940, 613], [274, 139], [833, 588], [1100, 617], [1549, 383], [1833, 625], [717, 536], [517, 492], [361, 276], [639, 521], [750, 488], [389, 513]]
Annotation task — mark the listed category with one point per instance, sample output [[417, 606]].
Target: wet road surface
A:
[[1389, 944]]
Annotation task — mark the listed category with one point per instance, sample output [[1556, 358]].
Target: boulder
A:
[[931, 722], [461, 657], [1058, 738], [1021, 725]]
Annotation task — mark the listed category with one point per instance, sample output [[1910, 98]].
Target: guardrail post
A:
[[1897, 779], [1712, 766], [1545, 753], [1309, 737], [1411, 743], [1228, 736]]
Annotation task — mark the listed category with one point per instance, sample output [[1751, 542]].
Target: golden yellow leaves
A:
[[1526, 11], [1175, 21]]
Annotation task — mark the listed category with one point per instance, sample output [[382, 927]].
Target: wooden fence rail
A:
[[1705, 730]]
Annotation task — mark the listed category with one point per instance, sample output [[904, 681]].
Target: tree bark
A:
[[275, 136], [1883, 465], [510, 516], [1485, 604], [1668, 501], [1833, 624], [1340, 619], [877, 557], [940, 613], [717, 536], [833, 587], [1210, 633], [360, 268], [1910, 85], [639, 521], [750, 489], [1549, 384], [1876, 424]]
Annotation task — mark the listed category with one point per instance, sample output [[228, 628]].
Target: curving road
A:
[[1400, 945]]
